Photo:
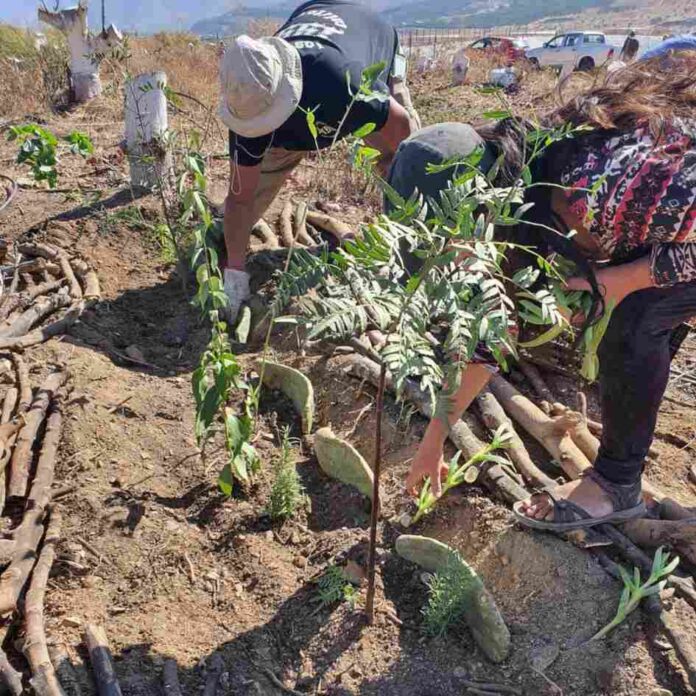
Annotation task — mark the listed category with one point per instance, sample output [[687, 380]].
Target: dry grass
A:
[[32, 79]]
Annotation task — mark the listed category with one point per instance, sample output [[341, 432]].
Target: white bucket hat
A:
[[261, 84]]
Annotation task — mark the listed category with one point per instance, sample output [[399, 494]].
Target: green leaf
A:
[[497, 114], [365, 130]]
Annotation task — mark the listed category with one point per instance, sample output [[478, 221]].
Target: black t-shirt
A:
[[334, 38]]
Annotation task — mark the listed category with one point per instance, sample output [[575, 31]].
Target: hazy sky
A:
[[145, 15]]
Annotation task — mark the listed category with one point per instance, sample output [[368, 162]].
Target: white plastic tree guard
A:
[[460, 67], [146, 130], [86, 50]]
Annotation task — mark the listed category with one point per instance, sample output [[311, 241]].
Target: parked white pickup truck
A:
[[576, 50]]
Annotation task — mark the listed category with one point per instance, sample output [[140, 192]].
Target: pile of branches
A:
[[31, 423], [43, 291]]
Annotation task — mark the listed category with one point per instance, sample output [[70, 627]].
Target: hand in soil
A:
[[428, 463], [583, 492]]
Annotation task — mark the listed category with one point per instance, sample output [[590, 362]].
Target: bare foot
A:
[[583, 492]]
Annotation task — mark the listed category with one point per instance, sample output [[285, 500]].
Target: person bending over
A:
[[313, 63], [630, 195]]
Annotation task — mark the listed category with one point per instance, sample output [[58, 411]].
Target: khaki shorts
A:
[[278, 163]]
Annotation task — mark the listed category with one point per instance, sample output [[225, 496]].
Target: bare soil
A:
[[171, 568]]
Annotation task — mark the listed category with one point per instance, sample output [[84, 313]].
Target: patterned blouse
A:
[[639, 192]]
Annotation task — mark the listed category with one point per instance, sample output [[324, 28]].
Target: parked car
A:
[[513, 49], [576, 50]]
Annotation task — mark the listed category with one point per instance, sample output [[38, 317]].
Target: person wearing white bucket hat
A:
[[313, 63]]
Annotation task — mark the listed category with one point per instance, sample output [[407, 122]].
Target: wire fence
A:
[[419, 37]]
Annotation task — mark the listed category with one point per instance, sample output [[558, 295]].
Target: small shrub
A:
[[287, 493], [449, 591]]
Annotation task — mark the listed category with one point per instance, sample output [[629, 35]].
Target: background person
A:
[[630, 48], [269, 84]]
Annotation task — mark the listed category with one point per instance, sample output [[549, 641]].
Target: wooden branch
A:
[[45, 332], [75, 289], [23, 383], [102, 662], [551, 435], [334, 227], [43, 680], [34, 315], [44, 251], [170, 678], [493, 416], [30, 531], [89, 278], [8, 405], [531, 372], [285, 222], [264, 232], [9, 676], [45, 288], [20, 464], [679, 535], [300, 229]]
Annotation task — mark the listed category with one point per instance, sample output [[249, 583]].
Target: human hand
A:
[[615, 282], [428, 463]]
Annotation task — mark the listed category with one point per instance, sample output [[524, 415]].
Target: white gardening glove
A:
[[236, 285]]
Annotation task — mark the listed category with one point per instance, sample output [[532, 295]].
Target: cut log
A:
[[45, 332], [493, 416], [44, 251], [102, 662], [23, 383], [285, 224], [338, 229], [65, 670], [20, 464], [146, 126], [266, 234], [34, 315], [43, 680], [29, 533], [170, 678]]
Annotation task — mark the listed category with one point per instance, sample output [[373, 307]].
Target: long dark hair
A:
[[643, 94]]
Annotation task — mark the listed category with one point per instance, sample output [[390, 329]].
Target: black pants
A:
[[634, 358]]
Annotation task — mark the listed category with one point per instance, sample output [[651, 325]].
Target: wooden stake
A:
[[374, 517]]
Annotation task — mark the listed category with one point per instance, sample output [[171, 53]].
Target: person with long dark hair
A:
[[627, 188]]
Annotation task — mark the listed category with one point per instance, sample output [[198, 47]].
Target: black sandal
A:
[[567, 516]]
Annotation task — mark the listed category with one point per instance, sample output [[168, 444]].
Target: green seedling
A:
[[333, 586], [462, 473], [287, 492], [449, 591], [38, 149], [634, 591]]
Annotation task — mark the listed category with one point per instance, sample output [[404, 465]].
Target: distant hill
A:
[[657, 16]]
